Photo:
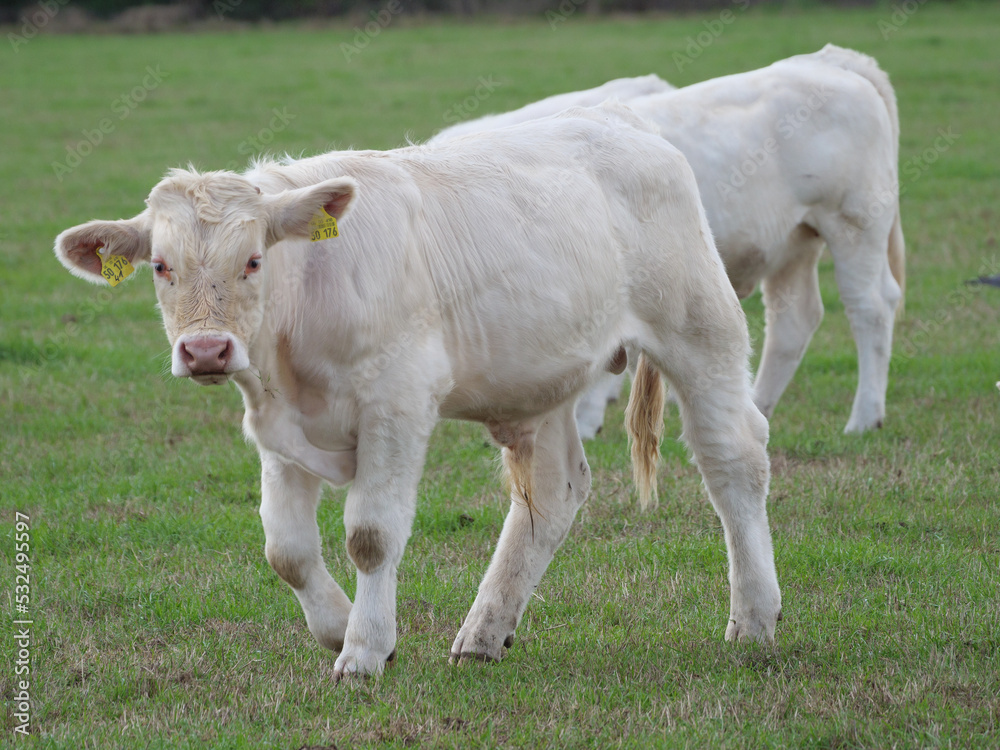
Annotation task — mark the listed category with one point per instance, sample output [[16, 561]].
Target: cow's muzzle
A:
[[208, 359]]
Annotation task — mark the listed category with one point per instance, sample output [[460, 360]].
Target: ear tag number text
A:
[[114, 268], [322, 226]]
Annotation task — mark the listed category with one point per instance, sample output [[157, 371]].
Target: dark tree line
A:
[[12, 11]]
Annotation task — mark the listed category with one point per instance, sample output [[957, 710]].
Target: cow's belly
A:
[[757, 238], [526, 372], [746, 266], [514, 396]]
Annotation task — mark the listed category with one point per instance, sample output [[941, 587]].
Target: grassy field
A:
[[156, 619]]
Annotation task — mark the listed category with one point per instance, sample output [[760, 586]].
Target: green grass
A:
[[157, 621]]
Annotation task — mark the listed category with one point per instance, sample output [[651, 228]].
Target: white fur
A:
[[622, 89], [490, 278], [592, 403], [825, 131]]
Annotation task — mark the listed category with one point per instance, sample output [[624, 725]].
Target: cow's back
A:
[[767, 144], [623, 89]]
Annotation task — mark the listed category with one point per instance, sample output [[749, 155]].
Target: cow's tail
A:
[[869, 69], [897, 259], [644, 423]]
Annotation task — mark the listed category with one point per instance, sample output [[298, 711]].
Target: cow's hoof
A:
[[479, 648], [458, 658], [751, 629], [859, 423], [350, 668], [470, 656]]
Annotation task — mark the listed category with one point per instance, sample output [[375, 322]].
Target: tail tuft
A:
[[644, 422]]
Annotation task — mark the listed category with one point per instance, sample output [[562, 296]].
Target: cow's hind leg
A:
[[559, 484], [870, 295], [289, 499], [706, 365], [794, 310], [593, 402]]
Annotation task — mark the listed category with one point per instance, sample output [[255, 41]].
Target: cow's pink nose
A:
[[206, 356]]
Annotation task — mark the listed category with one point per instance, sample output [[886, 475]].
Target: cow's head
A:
[[207, 238]]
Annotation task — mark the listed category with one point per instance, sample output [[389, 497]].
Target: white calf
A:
[[449, 293], [787, 158]]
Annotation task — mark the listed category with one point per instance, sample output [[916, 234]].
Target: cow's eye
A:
[[160, 269], [253, 265]]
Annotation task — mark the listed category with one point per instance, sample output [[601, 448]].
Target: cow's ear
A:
[[290, 212], [77, 247]]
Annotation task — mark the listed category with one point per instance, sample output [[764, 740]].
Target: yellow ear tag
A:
[[114, 268], [322, 226]]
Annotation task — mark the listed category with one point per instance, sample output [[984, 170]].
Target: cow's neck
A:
[[274, 400]]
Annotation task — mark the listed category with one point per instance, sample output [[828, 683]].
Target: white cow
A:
[[622, 89], [488, 279], [789, 157]]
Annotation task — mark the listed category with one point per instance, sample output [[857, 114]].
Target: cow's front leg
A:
[[378, 517], [560, 483], [289, 498]]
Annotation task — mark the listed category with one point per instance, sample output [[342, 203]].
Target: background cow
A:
[[623, 89], [788, 158], [487, 279]]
